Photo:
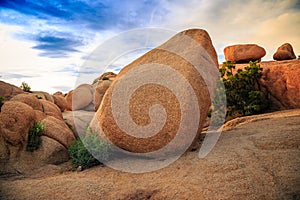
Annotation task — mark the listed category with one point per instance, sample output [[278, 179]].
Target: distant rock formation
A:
[[243, 53], [170, 54], [284, 52], [105, 76]]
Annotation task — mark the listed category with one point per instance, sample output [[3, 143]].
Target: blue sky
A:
[[46, 43]]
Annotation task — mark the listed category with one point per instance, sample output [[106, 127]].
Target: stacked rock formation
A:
[[243, 53], [17, 116], [284, 52]]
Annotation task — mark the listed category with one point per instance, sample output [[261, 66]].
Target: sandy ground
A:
[[256, 158]]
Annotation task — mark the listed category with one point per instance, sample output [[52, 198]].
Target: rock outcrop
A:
[[17, 116], [243, 53], [280, 82], [284, 52], [163, 64], [8, 91], [105, 76]]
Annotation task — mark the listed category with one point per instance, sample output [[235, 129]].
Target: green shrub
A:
[[25, 87], [38, 96], [1, 101], [34, 139], [243, 93], [81, 156]]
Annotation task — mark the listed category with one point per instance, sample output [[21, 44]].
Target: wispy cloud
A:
[[76, 18], [53, 44]]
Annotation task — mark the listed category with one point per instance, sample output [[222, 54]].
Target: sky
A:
[[47, 43]]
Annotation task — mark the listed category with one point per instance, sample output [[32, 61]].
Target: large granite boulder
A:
[[129, 115], [284, 52], [243, 53]]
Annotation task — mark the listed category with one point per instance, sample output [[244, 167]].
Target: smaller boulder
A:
[[51, 152], [82, 97], [243, 53], [58, 130], [29, 99], [60, 101], [68, 98], [16, 118], [51, 109], [284, 52], [39, 115], [100, 90], [43, 95]]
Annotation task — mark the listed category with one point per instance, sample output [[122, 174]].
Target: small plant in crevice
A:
[[89, 157], [243, 92], [38, 96], [1, 102], [25, 87], [34, 136]]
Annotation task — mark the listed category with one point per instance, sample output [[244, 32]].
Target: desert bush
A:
[[243, 93], [25, 87], [81, 156], [34, 139]]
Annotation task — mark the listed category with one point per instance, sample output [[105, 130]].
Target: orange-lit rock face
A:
[[161, 91], [243, 53]]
